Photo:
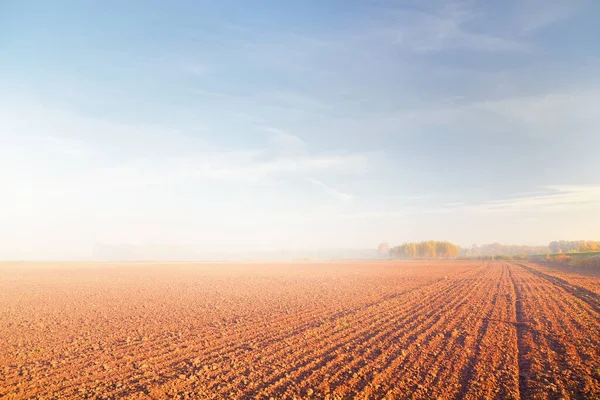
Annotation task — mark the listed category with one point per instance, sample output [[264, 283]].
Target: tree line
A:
[[566, 246], [429, 249], [497, 249]]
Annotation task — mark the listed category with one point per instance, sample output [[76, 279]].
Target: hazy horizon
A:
[[284, 126], [178, 253]]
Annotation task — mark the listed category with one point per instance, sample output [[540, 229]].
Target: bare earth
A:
[[305, 330]]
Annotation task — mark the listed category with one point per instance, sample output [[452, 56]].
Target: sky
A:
[[272, 125]]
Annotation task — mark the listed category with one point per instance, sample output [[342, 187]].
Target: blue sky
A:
[[296, 125]]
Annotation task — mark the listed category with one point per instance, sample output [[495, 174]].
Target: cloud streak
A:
[[445, 28], [551, 199], [538, 14], [285, 142], [549, 114], [555, 198], [538, 116], [333, 192]]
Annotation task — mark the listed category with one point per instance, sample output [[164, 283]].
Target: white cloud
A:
[[333, 192], [223, 167], [59, 155], [285, 142], [555, 198], [551, 199], [288, 51], [538, 14], [445, 29], [194, 68], [292, 100], [42, 146], [483, 42], [31, 124], [556, 113]]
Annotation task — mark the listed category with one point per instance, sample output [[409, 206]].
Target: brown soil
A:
[[301, 330]]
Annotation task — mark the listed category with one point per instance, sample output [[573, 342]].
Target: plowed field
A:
[[300, 330]]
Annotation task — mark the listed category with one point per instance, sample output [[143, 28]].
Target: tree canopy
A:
[[566, 246], [429, 250]]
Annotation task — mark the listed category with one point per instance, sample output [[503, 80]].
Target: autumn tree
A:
[[566, 246], [426, 250]]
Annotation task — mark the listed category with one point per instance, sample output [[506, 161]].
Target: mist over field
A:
[[169, 253]]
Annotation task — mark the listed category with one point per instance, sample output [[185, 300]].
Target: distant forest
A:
[[564, 246], [446, 250]]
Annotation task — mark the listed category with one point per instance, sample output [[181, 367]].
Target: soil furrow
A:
[[420, 330]]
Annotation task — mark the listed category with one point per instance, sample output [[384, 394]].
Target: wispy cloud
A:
[[245, 168], [287, 51], [550, 199], [545, 115], [333, 192], [194, 68], [286, 142], [538, 14], [549, 114], [54, 145], [445, 28], [555, 198], [67, 147], [115, 159], [292, 100]]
